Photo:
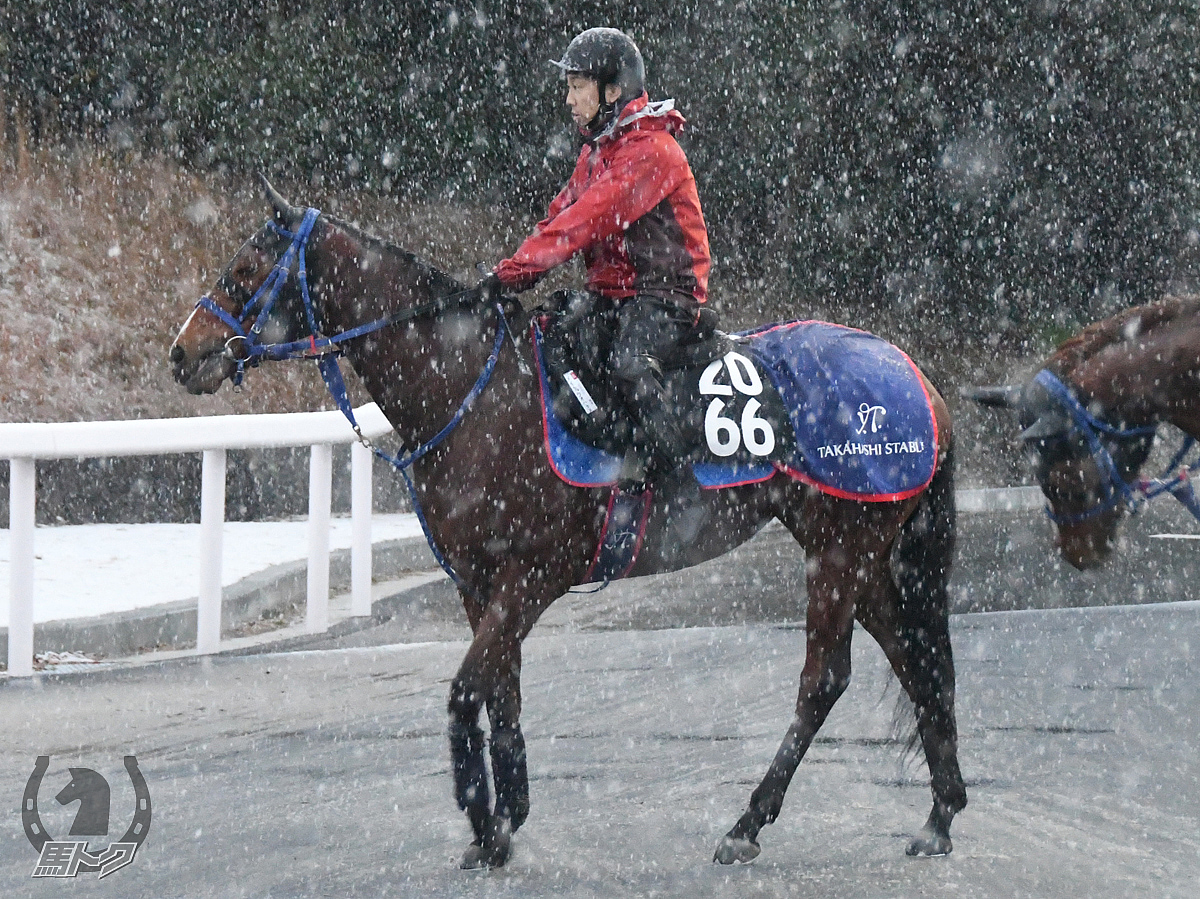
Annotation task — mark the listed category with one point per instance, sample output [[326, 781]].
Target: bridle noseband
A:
[[1115, 491]]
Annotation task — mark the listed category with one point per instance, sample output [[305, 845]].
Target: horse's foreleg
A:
[[491, 674], [485, 673], [493, 829], [466, 756], [824, 678], [509, 767]]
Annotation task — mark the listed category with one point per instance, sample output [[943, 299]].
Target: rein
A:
[[327, 350], [1116, 492]]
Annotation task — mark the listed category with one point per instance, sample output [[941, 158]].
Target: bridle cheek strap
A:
[[260, 305]]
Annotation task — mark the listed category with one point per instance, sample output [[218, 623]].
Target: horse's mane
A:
[[440, 282], [1135, 320]]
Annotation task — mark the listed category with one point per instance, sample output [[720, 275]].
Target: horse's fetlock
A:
[[465, 702], [951, 801], [510, 771], [465, 737], [766, 811]]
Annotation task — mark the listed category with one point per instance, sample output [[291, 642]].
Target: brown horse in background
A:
[[1091, 413], [518, 537]]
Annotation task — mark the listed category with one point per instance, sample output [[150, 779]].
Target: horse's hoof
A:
[[930, 845], [484, 858], [492, 851], [473, 858], [736, 849]]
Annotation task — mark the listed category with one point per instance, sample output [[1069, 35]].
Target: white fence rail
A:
[[26, 444]]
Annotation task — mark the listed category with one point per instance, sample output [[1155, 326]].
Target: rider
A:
[[631, 208]]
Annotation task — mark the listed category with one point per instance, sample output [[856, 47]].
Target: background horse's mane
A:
[[440, 282], [1097, 336]]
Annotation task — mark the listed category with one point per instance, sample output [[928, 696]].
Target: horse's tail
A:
[[921, 559], [925, 547]]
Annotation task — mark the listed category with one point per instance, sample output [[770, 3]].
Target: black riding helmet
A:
[[611, 57]]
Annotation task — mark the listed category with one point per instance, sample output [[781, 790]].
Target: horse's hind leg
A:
[[920, 655], [915, 635], [825, 676], [826, 673], [930, 684]]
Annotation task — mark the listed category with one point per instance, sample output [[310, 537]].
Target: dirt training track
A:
[[324, 772]]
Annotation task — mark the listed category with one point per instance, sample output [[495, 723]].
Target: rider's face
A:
[[583, 97]]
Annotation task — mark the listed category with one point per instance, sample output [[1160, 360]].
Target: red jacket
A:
[[631, 208]]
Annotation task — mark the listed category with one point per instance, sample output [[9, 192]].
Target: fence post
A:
[[360, 529], [320, 496], [212, 528], [22, 494]]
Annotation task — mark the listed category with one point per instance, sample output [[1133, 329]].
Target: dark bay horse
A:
[[518, 537], [1090, 414]]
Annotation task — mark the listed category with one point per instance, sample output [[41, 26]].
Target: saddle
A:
[[831, 406]]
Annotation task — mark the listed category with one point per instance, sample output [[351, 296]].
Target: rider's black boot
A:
[[658, 458]]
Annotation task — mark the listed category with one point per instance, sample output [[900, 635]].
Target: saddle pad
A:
[[863, 423]]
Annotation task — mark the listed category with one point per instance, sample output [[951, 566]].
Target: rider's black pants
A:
[[649, 329]]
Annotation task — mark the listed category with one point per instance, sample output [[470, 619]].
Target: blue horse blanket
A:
[[862, 421]]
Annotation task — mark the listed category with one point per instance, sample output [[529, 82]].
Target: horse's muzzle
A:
[[204, 375], [1085, 548]]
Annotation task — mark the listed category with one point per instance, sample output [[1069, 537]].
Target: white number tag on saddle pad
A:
[[724, 434]]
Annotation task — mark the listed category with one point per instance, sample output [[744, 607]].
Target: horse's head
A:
[[251, 303], [1082, 461]]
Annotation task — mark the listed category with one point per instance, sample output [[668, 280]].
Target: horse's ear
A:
[[1048, 425], [1008, 397], [285, 213]]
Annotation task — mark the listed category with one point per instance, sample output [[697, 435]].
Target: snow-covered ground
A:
[[86, 570], [326, 773]]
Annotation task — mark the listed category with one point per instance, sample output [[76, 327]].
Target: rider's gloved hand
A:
[[489, 288]]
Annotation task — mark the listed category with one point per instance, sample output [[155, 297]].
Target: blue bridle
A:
[[1115, 491], [263, 302], [327, 350]]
